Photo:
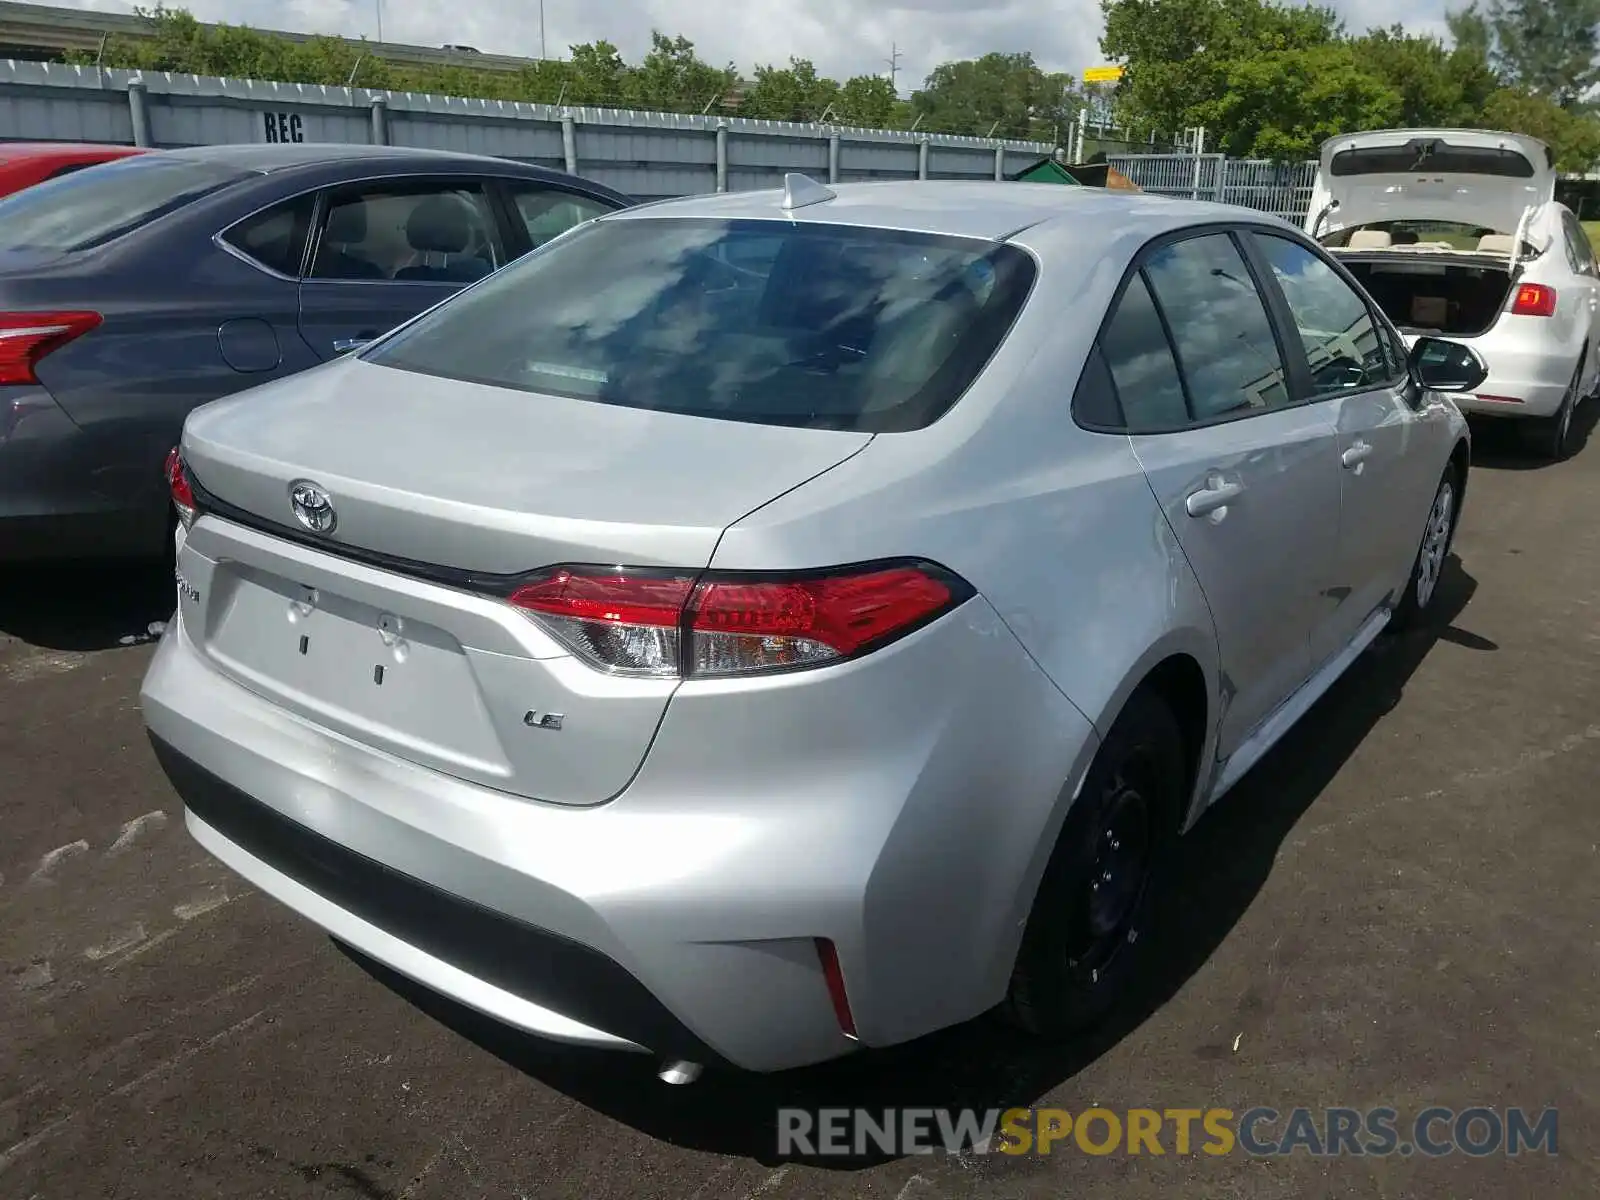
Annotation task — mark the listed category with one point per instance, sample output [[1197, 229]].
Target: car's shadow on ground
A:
[[1498, 443], [1221, 867], [85, 606]]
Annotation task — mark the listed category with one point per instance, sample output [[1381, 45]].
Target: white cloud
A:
[[842, 37]]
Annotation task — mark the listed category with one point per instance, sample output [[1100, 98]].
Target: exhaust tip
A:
[[679, 1072]]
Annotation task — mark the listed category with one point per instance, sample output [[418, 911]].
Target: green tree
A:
[[792, 93], [673, 78], [999, 95], [1283, 104], [1546, 47], [1573, 138], [1438, 85], [868, 101], [596, 75], [1179, 56]]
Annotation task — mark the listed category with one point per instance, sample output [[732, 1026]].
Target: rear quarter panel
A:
[[1058, 530], [1057, 527], [130, 383]]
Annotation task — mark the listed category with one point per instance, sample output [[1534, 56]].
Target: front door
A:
[[1249, 482], [385, 251], [1386, 487]]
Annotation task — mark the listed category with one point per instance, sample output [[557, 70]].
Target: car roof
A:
[[266, 157], [994, 211], [16, 150]]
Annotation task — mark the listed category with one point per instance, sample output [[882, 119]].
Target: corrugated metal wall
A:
[[648, 155]]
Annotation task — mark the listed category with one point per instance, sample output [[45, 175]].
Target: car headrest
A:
[[1370, 239], [439, 225], [1497, 243], [348, 223]]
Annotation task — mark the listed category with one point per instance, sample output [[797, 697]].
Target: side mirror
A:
[[1445, 366]]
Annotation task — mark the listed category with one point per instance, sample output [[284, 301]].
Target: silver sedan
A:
[[754, 627]]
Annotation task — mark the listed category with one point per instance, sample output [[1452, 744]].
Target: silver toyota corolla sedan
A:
[[762, 625]]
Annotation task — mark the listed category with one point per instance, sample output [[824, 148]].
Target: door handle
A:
[[1216, 494], [1356, 454], [344, 345]]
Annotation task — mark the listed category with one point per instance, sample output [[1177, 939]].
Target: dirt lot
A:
[[1399, 907]]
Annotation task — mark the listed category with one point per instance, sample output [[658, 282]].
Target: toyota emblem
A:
[[312, 506]]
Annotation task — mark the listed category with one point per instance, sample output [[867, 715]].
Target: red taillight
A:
[[739, 627], [829, 957], [671, 623], [26, 337], [178, 484], [1534, 300], [624, 621]]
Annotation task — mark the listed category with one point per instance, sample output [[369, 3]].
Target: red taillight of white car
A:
[[676, 624], [178, 483], [26, 337], [1534, 300]]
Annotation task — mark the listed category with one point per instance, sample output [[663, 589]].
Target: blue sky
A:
[[842, 37]]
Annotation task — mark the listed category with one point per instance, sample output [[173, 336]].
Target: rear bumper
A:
[[1528, 376], [525, 975], [681, 918]]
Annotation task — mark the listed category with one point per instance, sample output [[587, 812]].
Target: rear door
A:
[[1248, 480], [384, 251], [1387, 474], [259, 337], [1586, 283]]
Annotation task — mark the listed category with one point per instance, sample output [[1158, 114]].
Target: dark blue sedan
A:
[[134, 291]]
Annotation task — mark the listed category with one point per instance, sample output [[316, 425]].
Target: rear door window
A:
[[90, 207], [774, 322], [1432, 156], [547, 212], [1220, 329], [434, 232], [1579, 252], [1139, 356], [276, 237]]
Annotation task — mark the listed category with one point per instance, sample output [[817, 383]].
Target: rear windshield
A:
[[1433, 156], [1444, 235], [772, 322], [90, 207]]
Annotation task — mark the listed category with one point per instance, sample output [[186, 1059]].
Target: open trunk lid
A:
[[391, 627], [1470, 176]]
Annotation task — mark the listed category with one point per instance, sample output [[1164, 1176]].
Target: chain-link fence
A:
[[1280, 188]]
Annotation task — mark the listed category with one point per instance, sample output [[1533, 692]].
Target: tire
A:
[[1438, 535], [1551, 437], [1082, 948]]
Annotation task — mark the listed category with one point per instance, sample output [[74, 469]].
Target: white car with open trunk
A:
[[1457, 233]]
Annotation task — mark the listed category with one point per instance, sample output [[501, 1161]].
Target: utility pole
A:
[[894, 66], [542, 53]]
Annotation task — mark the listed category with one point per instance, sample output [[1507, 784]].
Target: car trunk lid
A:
[[1471, 177], [391, 628]]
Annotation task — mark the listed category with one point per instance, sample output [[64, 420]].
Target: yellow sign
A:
[[1102, 74]]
